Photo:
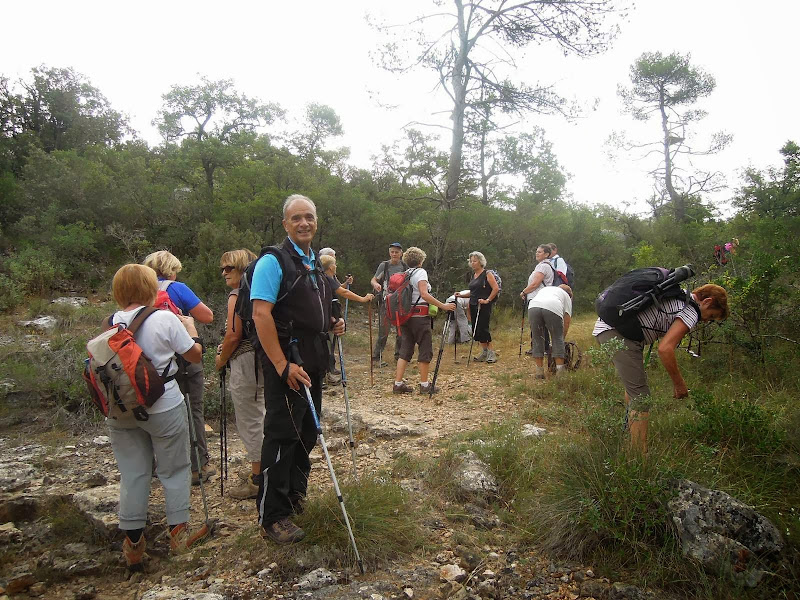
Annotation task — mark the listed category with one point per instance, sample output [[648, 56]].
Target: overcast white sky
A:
[[306, 51]]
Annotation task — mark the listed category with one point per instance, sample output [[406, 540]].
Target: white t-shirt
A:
[[554, 299], [655, 323], [545, 269], [161, 336], [418, 275]]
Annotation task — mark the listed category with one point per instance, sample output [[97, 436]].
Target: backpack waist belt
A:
[[421, 310]]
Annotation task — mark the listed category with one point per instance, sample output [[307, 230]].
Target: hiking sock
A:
[[561, 367], [134, 535], [424, 383], [539, 370], [398, 383]]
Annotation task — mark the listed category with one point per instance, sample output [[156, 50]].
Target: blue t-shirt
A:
[[268, 274], [182, 295]]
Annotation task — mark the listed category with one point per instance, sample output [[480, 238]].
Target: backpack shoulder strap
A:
[[164, 284], [140, 318], [290, 271]]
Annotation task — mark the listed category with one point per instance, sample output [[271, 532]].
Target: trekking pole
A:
[[522, 326], [347, 408], [294, 356], [223, 432], [371, 381], [193, 443], [445, 329], [346, 300], [474, 329]]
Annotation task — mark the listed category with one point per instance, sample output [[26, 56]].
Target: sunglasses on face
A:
[[227, 269]]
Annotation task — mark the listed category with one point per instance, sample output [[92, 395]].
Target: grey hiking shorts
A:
[[629, 363]]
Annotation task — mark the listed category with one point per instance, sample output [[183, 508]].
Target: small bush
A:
[[736, 422], [10, 293], [34, 269]]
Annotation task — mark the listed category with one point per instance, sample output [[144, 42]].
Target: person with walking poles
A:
[[291, 303], [541, 277], [667, 320], [380, 283], [417, 330], [178, 297], [483, 291], [328, 264], [550, 310], [164, 433], [246, 379]]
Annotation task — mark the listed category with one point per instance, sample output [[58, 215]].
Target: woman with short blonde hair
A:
[[483, 290], [164, 263], [189, 376], [417, 330]]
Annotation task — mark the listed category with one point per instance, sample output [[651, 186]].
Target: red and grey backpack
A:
[[121, 378], [399, 307]]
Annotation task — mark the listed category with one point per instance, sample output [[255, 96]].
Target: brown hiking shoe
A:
[[247, 489], [208, 472], [402, 388], [181, 539], [133, 553], [283, 532], [426, 389]]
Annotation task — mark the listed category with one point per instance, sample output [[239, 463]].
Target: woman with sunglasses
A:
[[246, 380]]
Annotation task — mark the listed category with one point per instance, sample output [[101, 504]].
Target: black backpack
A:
[[620, 303], [244, 306]]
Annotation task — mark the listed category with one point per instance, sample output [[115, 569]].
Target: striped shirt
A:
[[656, 322]]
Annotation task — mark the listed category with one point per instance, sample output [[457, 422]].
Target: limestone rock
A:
[[316, 579], [721, 532], [74, 301], [529, 430], [173, 593], [9, 534], [100, 507], [20, 583], [452, 573], [101, 440], [593, 588], [44, 323], [474, 477]]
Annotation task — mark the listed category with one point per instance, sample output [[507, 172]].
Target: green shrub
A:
[[34, 269], [738, 422], [10, 293]]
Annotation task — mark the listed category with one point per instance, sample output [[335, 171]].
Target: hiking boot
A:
[[402, 388], [426, 389], [529, 352], [333, 378], [208, 472], [491, 357], [539, 373], [247, 489], [182, 539], [133, 553], [283, 532], [380, 363], [481, 357]]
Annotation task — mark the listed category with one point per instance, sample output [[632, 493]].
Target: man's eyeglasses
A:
[[227, 269]]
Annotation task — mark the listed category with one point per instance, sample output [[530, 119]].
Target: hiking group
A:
[[284, 322]]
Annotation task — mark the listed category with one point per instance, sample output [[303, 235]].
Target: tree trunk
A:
[[458, 81], [675, 198]]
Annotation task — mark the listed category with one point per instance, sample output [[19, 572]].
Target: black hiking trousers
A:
[[290, 434]]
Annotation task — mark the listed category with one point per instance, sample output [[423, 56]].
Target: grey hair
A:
[[293, 198], [479, 255], [328, 252]]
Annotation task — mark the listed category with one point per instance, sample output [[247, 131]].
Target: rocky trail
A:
[[59, 488]]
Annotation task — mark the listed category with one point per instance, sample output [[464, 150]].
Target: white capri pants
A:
[[247, 393]]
